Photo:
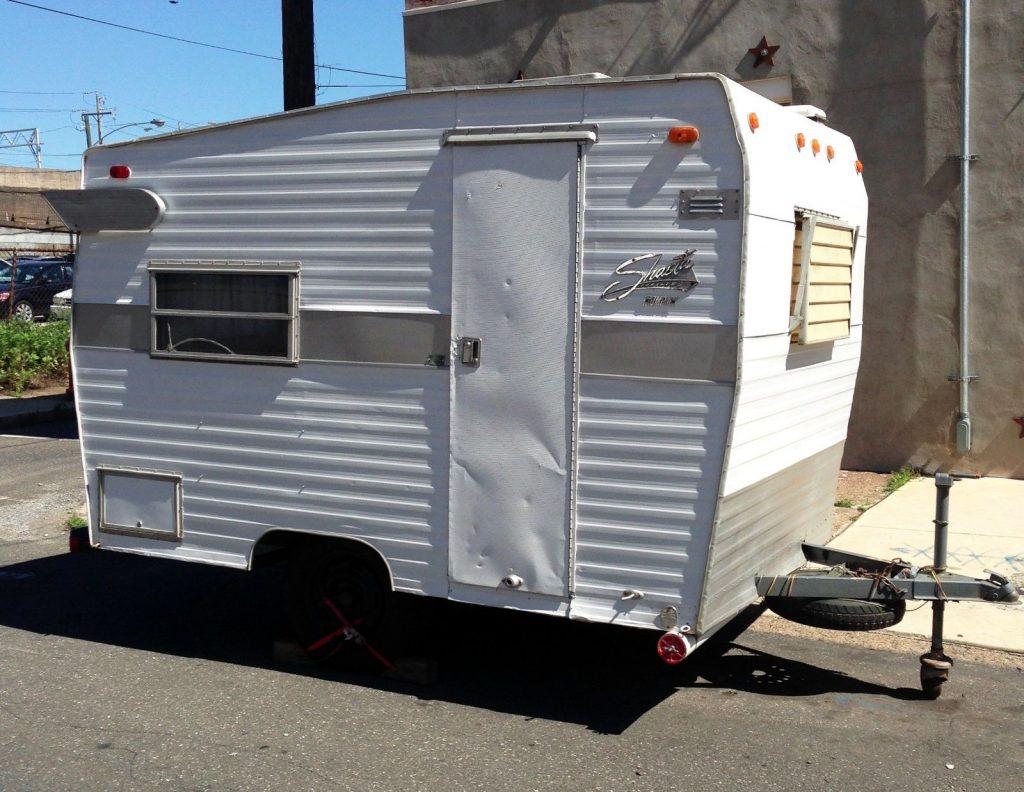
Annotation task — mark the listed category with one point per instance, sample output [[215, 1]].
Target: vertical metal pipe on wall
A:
[[963, 425]]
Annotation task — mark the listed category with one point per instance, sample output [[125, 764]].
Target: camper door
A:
[[515, 275]]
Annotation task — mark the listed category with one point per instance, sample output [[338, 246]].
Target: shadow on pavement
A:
[[64, 429], [599, 676]]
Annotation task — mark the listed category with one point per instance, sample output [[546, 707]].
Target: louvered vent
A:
[[708, 204], [822, 280]]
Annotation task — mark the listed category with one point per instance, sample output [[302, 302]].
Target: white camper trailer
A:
[[584, 348]]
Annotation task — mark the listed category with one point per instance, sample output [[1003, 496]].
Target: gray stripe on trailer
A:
[[335, 336], [759, 530], [111, 326], [373, 337], [666, 350]]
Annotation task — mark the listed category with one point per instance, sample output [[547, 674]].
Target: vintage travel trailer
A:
[[582, 347]]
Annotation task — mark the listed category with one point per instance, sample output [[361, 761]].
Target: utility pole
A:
[[100, 112], [297, 53]]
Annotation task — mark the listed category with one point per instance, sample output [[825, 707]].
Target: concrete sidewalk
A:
[[986, 531]]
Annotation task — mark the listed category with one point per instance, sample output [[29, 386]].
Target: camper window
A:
[[820, 296], [238, 314]]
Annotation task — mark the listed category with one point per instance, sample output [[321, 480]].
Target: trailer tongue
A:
[[850, 584]]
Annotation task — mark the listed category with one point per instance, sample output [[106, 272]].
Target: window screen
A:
[[239, 314], [822, 280]]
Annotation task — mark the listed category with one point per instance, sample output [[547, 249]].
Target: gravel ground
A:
[[861, 489], [42, 481]]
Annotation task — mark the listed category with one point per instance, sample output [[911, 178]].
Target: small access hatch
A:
[[140, 503]]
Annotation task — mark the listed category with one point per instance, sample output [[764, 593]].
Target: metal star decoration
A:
[[763, 52], [1021, 422]]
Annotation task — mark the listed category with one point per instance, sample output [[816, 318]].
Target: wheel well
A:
[[276, 547]]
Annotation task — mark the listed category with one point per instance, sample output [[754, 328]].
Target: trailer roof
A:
[[523, 85]]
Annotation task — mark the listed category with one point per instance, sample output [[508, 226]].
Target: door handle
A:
[[469, 351]]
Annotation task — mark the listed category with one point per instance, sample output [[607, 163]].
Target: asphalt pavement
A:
[[41, 480], [123, 672]]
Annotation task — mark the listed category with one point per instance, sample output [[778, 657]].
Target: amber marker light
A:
[[801, 141], [684, 134], [753, 121], [815, 147], [859, 166], [830, 153]]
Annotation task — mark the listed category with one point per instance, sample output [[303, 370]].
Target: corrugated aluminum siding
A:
[[366, 208], [793, 402], [328, 448], [792, 410], [361, 195], [759, 531], [650, 457], [633, 179]]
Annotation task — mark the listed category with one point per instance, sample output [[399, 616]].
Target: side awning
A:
[[107, 209]]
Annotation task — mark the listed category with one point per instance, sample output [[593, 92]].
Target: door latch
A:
[[469, 351]]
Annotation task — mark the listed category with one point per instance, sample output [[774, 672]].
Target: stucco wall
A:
[[39, 178], [887, 73]]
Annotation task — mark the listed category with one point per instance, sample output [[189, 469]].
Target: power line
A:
[[46, 154], [33, 110], [43, 93], [190, 41]]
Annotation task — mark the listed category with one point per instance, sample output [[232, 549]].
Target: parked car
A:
[[60, 308], [35, 282]]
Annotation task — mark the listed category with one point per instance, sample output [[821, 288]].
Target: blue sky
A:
[[143, 77]]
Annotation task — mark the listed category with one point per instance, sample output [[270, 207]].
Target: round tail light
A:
[[120, 171], [672, 648]]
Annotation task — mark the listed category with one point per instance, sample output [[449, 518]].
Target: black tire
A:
[[355, 582], [839, 614]]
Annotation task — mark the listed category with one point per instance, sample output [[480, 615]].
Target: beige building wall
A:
[[12, 177], [28, 224], [887, 73]]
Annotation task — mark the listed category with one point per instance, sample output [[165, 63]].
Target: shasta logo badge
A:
[[647, 272]]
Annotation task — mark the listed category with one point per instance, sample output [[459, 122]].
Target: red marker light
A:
[[120, 171], [672, 648], [684, 134]]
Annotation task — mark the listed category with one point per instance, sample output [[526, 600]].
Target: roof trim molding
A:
[[445, 6]]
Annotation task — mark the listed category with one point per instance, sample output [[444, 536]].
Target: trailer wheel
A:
[[338, 600], [839, 614]]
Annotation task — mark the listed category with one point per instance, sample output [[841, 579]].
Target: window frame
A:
[[807, 221], [290, 268]]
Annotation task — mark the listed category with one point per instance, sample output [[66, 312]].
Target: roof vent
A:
[[558, 79], [810, 111]]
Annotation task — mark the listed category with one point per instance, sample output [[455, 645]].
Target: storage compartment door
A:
[[141, 503], [514, 282]]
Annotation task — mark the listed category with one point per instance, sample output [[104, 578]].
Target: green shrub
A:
[[31, 353], [898, 478]]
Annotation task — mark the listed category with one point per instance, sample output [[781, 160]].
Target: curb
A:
[[35, 409]]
